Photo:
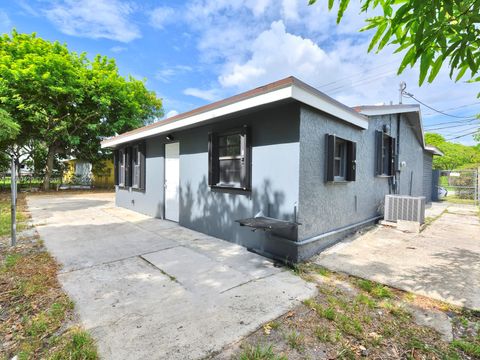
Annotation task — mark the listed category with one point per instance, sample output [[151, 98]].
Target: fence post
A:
[[13, 186]]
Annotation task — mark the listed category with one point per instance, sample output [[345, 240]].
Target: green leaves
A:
[[433, 33], [64, 100], [9, 129]]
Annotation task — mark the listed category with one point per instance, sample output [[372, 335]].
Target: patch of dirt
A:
[[352, 318], [36, 316]]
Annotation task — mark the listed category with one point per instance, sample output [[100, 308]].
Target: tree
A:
[[455, 155], [9, 129], [65, 101], [431, 32]]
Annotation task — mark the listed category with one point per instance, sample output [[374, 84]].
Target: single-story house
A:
[[79, 172], [283, 157]]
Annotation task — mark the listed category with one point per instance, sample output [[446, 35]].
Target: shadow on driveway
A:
[[150, 289]]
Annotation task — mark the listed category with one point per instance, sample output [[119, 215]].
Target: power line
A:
[[357, 83], [357, 74], [438, 111], [450, 127], [453, 123], [460, 136], [465, 121], [457, 107], [449, 133]]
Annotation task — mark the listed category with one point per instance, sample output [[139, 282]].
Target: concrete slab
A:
[[150, 289], [195, 271], [442, 262]]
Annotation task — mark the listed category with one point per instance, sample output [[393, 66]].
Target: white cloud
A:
[[245, 44], [95, 19], [166, 74], [5, 23], [208, 95], [162, 16], [275, 54], [118, 49], [171, 113]]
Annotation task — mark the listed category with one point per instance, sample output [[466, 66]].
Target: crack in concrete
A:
[[171, 277], [117, 260], [249, 281]]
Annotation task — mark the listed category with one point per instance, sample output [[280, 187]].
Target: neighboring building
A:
[[79, 172], [284, 156]]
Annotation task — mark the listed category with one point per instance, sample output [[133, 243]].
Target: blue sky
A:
[[199, 51]]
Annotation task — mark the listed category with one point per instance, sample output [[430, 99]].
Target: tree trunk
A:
[[48, 168]]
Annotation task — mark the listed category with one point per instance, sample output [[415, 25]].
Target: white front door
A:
[[172, 181]]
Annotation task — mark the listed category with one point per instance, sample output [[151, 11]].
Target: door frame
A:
[[165, 182]]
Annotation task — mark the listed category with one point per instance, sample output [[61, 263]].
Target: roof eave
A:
[[294, 89]]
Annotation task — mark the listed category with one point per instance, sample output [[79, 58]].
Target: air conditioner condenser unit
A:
[[401, 207]]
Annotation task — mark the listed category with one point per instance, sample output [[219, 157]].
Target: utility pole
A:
[[401, 89], [13, 187]]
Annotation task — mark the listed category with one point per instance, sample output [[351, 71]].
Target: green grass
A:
[[467, 347], [295, 340], [11, 260], [376, 290], [259, 352], [76, 345], [37, 308], [5, 216]]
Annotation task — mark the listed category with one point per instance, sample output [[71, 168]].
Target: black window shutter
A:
[[330, 154], [128, 166], [378, 152], [213, 163], [116, 166], [143, 156], [246, 165], [351, 161], [393, 157]]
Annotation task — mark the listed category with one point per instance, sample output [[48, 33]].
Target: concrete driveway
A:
[[150, 289], [442, 262]]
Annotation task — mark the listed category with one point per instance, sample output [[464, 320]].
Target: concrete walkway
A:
[[150, 289], [442, 262]]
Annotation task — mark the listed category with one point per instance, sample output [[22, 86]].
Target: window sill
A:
[[230, 188], [339, 182], [384, 176], [137, 189]]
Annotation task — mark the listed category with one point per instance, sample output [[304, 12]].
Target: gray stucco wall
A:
[[288, 164], [427, 176], [150, 201], [275, 179], [325, 207]]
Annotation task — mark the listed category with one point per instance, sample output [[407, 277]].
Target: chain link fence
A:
[[459, 186], [28, 182]]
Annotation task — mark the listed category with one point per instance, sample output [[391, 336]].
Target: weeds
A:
[[259, 352], [467, 347], [295, 340], [76, 345], [34, 308]]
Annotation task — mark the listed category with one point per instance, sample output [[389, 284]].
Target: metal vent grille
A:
[[411, 208]]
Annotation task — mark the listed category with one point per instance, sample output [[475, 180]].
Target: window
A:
[[385, 154], [130, 166], [229, 159], [121, 167], [340, 159], [136, 167]]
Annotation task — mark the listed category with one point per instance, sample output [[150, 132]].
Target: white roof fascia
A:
[[318, 101], [273, 96], [434, 150], [388, 109], [330, 106]]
